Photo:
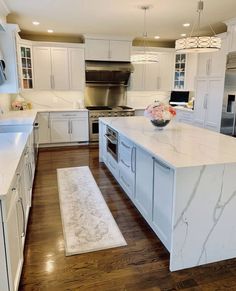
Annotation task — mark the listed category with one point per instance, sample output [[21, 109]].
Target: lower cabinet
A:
[[69, 127], [44, 127], [184, 116], [144, 183], [163, 182]]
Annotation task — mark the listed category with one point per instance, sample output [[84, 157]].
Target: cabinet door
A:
[[191, 71], [200, 102], [152, 77], [76, 68], [60, 69], [60, 130], [162, 201], [42, 68], [13, 243], [218, 61], [143, 183], [3, 262], [44, 127], [120, 50], [137, 78], [214, 103], [97, 49], [165, 71], [26, 66], [203, 65], [79, 129]]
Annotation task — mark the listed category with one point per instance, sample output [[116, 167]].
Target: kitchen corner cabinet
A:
[[107, 50], [44, 127], [208, 102], [69, 127]]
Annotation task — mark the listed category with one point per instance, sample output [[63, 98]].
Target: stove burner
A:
[[99, 108]]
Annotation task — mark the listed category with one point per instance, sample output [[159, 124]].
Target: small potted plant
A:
[[160, 114]]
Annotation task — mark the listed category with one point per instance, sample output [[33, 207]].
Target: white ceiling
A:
[[117, 17]]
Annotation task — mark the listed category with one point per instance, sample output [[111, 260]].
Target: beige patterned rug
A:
[[88, 224]]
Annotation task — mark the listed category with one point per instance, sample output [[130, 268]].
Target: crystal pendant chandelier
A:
[[195, 43], [146, 56]]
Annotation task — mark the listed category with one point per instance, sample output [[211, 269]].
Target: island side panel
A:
[[203, 222]]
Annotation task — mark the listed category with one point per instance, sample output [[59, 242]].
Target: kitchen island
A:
[[182, 181]]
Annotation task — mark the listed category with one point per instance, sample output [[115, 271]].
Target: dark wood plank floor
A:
[[142, 265]]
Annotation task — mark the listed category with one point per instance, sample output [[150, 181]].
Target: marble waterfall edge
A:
[[88, 224]]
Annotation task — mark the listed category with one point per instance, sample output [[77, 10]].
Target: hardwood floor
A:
[[142, 265]]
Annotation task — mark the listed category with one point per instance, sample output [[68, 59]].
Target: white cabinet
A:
[[208, 102], [163, 183], [69, 127], [51, 68], [185, 116], [60, 68], [102, 143], [42, 68], [213, 64], [107, 50], [153, 76], [127, 165], [26, 66], [44, 127], [185, 71], [76, 68], [144, 183]]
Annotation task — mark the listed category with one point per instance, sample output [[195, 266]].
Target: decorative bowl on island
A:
[[160, 114]]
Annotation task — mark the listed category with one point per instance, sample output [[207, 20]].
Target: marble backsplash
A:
[[5, 102]]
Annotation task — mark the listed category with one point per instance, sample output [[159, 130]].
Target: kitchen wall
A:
[[5, 102], [140, 99], [53, 99]]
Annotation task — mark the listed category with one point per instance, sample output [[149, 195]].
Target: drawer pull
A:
[[124, 163], [126, 146]]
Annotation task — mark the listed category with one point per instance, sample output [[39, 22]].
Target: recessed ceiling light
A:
[[50, 31], [186, 24], [157, 37], [183, 34], [35, 23]]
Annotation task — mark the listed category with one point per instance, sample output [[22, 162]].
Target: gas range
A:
[[104, 111]]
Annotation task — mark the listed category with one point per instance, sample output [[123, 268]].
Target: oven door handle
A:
[[112, 140]]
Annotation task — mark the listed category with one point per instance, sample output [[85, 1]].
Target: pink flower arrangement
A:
[[160, 111]]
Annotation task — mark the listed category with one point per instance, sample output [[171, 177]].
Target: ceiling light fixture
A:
[[195, 43], [35, 23], [146, 56], [50, 31], [157, 37], [186, 24], [183, 34]]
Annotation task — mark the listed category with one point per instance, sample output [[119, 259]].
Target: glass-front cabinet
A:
[[180, 71], [26, 67]]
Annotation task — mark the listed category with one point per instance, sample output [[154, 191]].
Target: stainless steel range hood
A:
[[108, 73]]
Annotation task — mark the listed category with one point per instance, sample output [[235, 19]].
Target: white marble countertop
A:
[[178, 145], [11, 148], [27, 117]]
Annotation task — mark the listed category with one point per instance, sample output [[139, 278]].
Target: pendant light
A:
[[195, 43], [146, 56]]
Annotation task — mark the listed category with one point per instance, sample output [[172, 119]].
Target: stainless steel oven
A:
[[93, 129], [112, 142]]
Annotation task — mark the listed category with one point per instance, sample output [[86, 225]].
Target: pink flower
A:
[[159, 111]]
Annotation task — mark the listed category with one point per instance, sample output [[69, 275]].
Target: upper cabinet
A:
[[185, 68], [58, 68], [153, 76], [213, 64], [8, 49], [107, 49]]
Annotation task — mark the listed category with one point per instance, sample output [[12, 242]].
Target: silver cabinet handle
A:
[[124, 163], [112, 166], [51, 81], [49, 120], [126, 146], [23, 216], [69, 126], [206, 101], [133, 159], [161, 164], [111, 139]]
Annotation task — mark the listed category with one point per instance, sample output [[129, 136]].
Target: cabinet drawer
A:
[[125, 150], [126, 180], [69, 114], [112, 166]]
